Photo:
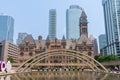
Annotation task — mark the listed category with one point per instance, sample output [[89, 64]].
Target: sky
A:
[[32, 16]]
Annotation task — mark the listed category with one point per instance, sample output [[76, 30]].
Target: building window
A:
[[21, 61], [26, 49], [80, 48], [30, 54], [21, 49], [70, 48], [31, 48], [89, 53], [40, 48], [27, 43], [90, 48], [21, 54], [84, 30], [85, 48], [55, 61]]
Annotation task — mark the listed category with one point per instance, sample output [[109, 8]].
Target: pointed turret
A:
[[63, 41], [47, 41]]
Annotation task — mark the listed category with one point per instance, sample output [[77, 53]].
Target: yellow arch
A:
[[58, 55], [80, 56]]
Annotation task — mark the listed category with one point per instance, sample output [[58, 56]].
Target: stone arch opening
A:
[[21, 54]]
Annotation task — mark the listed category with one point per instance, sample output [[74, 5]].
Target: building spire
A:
[[83, 15]]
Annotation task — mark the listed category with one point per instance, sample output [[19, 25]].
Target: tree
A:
[[106, 58], [11, 59]]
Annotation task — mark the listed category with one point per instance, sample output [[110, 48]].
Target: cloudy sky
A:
[[31, 16]]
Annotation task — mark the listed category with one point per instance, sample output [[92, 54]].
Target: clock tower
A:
[[83, 24]]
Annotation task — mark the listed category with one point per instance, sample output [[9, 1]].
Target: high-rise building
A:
[[102, 44], [72, 22], [6, 28], [112, 25], [52, 24], [102, 41], [21, 37]]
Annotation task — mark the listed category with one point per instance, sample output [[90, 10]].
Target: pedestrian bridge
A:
[[82, 61]]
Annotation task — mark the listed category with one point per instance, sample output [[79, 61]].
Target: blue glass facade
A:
[[72, 22], [6, 28], [102, 41], [112, 25], [52, 24]]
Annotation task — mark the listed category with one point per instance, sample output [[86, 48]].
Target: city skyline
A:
[[33, 18]]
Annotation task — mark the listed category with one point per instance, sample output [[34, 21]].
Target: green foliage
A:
[[106, 58], [11, 59]]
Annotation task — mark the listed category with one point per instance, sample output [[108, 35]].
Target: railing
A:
[[109, 63]]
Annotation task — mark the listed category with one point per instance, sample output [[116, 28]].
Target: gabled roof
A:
[[29, 39], [83, 39]]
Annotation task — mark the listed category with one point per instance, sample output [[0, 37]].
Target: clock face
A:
[[83, 20]]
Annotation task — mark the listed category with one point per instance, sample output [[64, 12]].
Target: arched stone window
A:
[[89, 53], [55, 61], [30, 54], [21, 54]]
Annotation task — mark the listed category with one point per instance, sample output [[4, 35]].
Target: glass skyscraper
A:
[[52, 24], [6, 28], [72, 22], [102, 41], [112, 25], [103, 44]]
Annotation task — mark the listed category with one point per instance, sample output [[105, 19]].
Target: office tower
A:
[[102, 41], [6, 28], [72, 22], [21, 37], [112, 25], [102, 44], [52, 24]]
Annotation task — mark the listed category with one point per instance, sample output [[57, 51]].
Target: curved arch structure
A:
[[86, 60]]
